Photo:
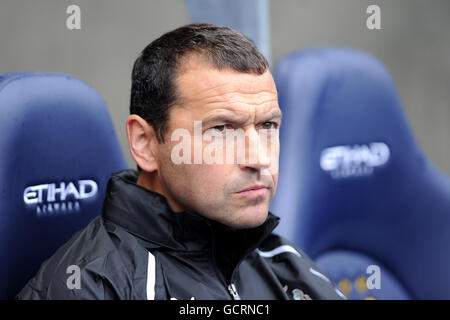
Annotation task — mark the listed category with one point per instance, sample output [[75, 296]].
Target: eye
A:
[[269, 125], [222, 127]]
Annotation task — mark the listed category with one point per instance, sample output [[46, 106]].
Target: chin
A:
[[252, 217]]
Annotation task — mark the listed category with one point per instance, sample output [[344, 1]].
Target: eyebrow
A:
[[236, 118], [274, 114], [225, 117]]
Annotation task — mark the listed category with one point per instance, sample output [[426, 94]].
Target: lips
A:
[[254, 192], [253, 188]]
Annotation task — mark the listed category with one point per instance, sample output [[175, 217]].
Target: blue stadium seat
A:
[[355, 189], [58, 148]]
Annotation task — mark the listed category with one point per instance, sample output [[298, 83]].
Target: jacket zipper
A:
[[233, 291], [231, 287]]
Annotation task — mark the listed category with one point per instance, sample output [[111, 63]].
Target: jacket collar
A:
[[147, 215]]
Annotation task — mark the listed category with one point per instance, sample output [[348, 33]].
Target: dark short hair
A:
[[153, 90]]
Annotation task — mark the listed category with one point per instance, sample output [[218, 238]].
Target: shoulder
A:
[[295, 269], [279, 250], [85, 267]]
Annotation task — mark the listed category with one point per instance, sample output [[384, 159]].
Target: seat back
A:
[[353, 181], [58, 149]]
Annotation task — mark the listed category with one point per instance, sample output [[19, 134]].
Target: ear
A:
[[143, 143]]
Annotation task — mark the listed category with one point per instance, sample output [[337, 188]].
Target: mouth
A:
[[254, 191]]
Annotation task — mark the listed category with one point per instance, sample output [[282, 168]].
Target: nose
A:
[[257, 150]]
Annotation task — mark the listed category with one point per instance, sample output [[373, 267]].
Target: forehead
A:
[[206, 87]]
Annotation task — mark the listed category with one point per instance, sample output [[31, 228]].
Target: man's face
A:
[[235, 193]]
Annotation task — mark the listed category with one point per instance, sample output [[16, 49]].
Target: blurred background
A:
[[414, 44], [397, 221]]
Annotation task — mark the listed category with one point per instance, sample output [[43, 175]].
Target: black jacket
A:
[[140, 249]]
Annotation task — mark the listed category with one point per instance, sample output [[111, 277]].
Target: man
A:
[[193, 221]]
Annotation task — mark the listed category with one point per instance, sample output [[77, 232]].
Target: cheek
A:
[[199, 185], [210, 196], [176, 179], [211, 179], [275, 184]]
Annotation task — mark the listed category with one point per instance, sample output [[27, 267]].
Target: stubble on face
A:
[[216, 191]]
